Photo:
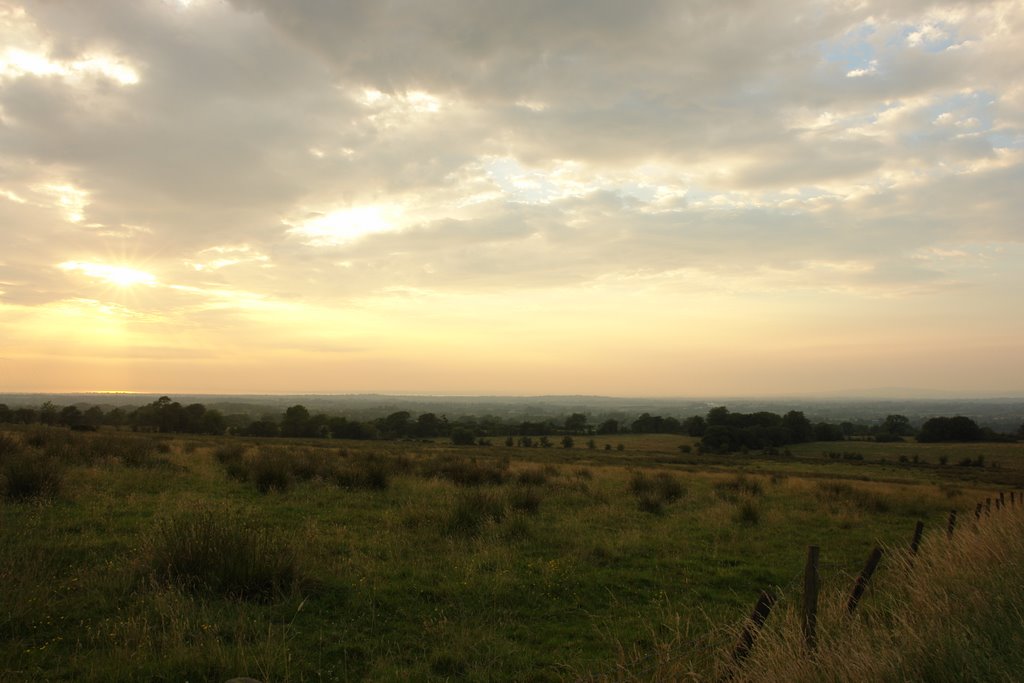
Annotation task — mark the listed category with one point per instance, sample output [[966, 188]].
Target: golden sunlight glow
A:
[[69, 199], [120, 276], [347, 225], [15, 63]]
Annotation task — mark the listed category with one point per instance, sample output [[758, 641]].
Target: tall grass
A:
[[952, 613], [220, 552]]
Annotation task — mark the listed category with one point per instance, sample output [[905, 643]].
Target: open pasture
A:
[[205, 558]]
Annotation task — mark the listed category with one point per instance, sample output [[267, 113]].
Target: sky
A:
[[644, 198]]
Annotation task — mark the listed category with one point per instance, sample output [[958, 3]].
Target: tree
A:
[[798, 425], [576, 423], [898, 425], [957, 428], [608, 427], [295, 421], [463, 437], [567, 441], [694, 426]]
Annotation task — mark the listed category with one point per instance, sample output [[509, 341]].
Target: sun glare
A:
[[119, 276]]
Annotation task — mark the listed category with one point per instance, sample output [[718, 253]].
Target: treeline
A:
[[719, 431]]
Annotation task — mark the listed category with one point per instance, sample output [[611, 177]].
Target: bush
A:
[[29, 474], [217, 552], [230, 453], [650, 504]]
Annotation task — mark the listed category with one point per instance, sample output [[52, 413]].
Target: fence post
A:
[[951, 524], [1002, 499], [810, 607], [977, 511], [750, 630], [999, 503], [914, 544], [988, 506], [862, 581]]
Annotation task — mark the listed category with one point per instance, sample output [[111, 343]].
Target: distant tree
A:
[[576, 423], [898, 425], [567, 441], [295, 421], [694, 426], [262, 427], [428, 426], [70, 416], [463, 437], [396, 425], [957, 428], [824, 431], [591, 444], [798, 426], [93, 416], [24, 416], [609, 426], [212, 422], [5, 413], [718, 416], [48, 413]]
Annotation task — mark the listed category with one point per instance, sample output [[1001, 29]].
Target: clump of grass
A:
[[30, 474], [8, 445], [364, 473], [464, 471], [271, 471], [653, 493], [473, 511], [740, 485], [525, 499], [216, 551], [748, 513], [532, 477], [232, 453], [868, 501]]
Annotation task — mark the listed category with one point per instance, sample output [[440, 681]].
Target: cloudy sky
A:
[[686, 198]]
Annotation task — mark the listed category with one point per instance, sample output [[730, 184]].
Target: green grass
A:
[[412, 561]]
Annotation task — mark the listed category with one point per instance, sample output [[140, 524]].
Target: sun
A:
[[119, 276]]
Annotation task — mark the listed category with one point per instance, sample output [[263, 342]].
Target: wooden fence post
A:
[[1002, 499], [862, 581], [999, 503], [977, 511], [988, 506], [916, 543], [951, 524], [812, 583], [750, 630]]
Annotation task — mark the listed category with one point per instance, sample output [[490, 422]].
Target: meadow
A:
[[128, 557]]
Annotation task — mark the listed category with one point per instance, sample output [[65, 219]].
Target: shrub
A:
[[30, 474], [216, 551], [653, 492]]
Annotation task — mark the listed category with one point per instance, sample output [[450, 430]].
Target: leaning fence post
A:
[[862, 581], [988, 506], [750, 630], [914, 544], [977, 511], [810, 607], [951, 524]]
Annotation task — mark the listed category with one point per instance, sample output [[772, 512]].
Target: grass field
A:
[[152, 558]]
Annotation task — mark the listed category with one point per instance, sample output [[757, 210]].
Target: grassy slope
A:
[[391, 593]]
